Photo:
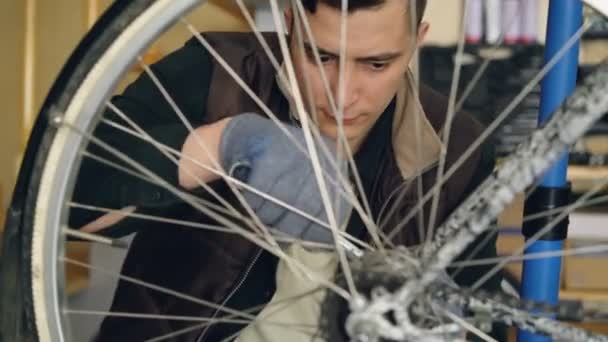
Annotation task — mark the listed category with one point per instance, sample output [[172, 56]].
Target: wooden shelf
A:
[[77, 277], [584, 295], [584, 178]]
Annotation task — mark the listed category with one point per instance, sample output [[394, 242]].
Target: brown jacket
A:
[[224, 268]]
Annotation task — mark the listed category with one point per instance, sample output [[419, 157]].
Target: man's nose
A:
[[349, 90]]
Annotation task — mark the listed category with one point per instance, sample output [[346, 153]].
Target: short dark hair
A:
[[353, 5]]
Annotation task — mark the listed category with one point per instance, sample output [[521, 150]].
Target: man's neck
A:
[[355, 144]]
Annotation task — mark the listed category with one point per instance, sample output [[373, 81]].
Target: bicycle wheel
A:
[[66, 140], [124, 24]]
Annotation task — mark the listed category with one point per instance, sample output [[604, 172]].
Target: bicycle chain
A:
[[533, 316], [480, 307], [563, 310]]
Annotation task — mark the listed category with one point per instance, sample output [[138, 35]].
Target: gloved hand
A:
[[254, 150]]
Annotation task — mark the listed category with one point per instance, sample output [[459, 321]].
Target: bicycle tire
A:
[[122, 21]]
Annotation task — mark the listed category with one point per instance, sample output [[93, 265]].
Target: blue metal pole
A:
[[565, 18], [541, 277]]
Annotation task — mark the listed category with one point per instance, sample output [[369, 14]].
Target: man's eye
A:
[[322, 57], [378, 66], [325, 58]]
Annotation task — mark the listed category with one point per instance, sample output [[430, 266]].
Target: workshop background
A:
[[37, 37]]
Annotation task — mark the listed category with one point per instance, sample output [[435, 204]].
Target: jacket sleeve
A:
[[185, 74]]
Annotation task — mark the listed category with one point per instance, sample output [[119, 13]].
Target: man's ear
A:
[[423, 29]]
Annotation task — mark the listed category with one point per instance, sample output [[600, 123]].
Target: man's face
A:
[[379, 46]]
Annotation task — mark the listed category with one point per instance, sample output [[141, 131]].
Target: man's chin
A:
[[349, 137]]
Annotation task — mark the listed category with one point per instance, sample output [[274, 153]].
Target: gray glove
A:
[[254, 150]]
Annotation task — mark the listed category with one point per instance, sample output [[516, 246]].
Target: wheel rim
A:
[[47, 273]]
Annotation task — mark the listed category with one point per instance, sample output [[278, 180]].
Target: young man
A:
[[386, 123]]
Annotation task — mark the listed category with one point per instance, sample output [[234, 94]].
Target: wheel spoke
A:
[[447, 126], [492, 127], [544, 230]]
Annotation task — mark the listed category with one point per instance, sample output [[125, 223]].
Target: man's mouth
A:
[[347, 120]]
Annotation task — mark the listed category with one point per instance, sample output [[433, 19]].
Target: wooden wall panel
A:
[[12, 32]]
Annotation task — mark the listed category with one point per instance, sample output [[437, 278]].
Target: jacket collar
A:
[[416, 144]]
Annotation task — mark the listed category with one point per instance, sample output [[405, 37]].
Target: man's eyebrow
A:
[[321, 51], [382, 57]]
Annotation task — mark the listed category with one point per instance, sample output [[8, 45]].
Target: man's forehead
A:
[[369, 55], [368, 34]]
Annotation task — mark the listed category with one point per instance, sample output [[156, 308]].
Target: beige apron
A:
[[293, 312]]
